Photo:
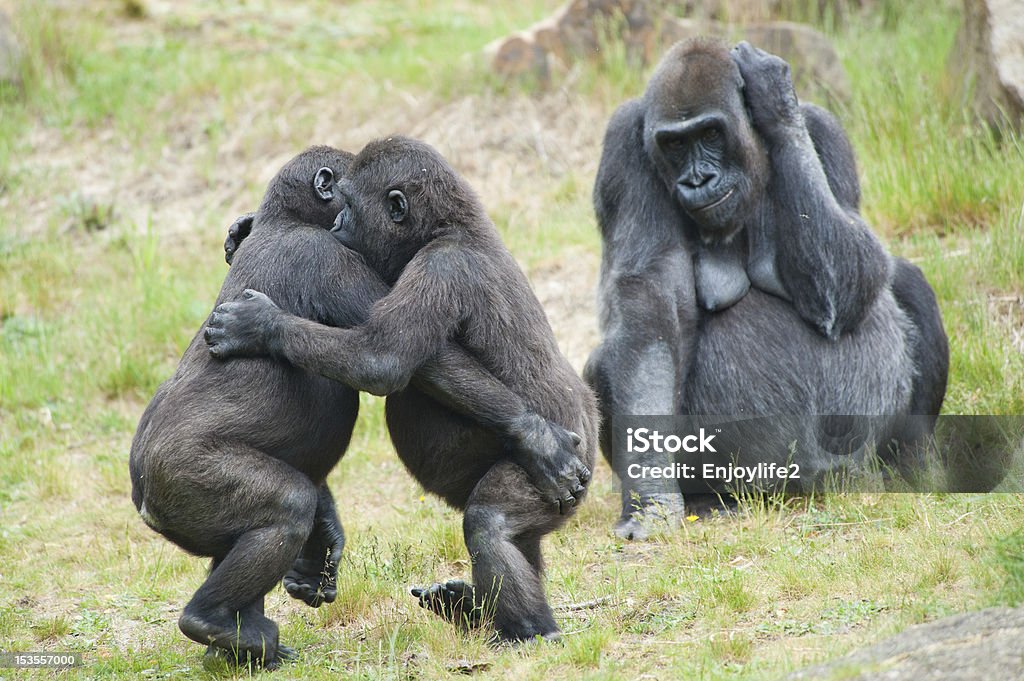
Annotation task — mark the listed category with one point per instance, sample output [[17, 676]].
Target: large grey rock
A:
[[583, 28], [987, 645], [10, 54], [987, 61]]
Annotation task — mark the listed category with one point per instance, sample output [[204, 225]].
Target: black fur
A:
[[821, 331], [421, 227], [230, 458]]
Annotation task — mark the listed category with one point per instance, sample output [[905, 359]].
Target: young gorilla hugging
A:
[[230, 458], [422, 228]]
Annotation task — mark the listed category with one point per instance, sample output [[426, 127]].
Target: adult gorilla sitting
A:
[[737, 276]]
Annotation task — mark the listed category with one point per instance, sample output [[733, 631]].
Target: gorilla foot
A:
[[250, 640], [660, 513], [631, 528], [452, 600], [230, 658], [710, 505], [312, 582]]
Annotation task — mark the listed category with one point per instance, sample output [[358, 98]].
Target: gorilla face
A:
[[698, 135], [383, 218], [358, 233], [401, 194]]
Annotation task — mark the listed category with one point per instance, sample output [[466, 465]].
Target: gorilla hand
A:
[[237, 232], [768, 91], [548, 454], [243, 328]]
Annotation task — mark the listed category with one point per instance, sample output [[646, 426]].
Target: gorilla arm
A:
[[649, 312], [407, 338], [807, 245], [452, 377]]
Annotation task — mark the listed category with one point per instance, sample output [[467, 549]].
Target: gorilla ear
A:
[[397, 205], [323, 184]]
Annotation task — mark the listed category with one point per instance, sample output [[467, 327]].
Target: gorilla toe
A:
[[313, 585], [453, 600]]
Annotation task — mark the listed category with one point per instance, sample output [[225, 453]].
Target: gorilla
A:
[[230, 458], [424, 231], [737, 277]]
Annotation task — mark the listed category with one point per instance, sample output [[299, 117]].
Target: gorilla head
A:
[[401, 194], [292, 197], [698, 134]]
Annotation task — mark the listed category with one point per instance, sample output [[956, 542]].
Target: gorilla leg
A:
[[504, 520], [263, 514], [930, 355], [505, 516], [640, 369], [930, 352], [314, 575]]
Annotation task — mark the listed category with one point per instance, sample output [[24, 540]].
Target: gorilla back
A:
[[229, 460]]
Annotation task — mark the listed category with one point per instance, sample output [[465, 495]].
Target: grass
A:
[[135, 142]]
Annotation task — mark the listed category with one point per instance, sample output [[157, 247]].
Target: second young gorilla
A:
[[230, 458], [422, 228], [717, 178]]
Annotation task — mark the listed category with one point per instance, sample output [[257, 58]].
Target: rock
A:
[[10, 55], [582, 28], [987, 61], [986, 644]]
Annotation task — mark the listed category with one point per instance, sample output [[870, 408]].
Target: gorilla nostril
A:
[[696, 182]]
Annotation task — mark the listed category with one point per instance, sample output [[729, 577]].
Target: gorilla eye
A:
[[712, 135]]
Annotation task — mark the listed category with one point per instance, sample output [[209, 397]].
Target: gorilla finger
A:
[[584, 475], [252, 294], [300, 588], [212, 337]]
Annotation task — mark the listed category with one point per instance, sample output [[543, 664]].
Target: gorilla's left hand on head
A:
[[767, 89], [242, 327]]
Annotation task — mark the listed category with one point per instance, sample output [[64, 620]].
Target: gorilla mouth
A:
[[716, 202]]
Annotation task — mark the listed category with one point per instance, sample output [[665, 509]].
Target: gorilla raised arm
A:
[[421, 227], [735, 149]]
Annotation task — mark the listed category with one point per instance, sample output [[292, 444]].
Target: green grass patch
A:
[[107, 273]]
